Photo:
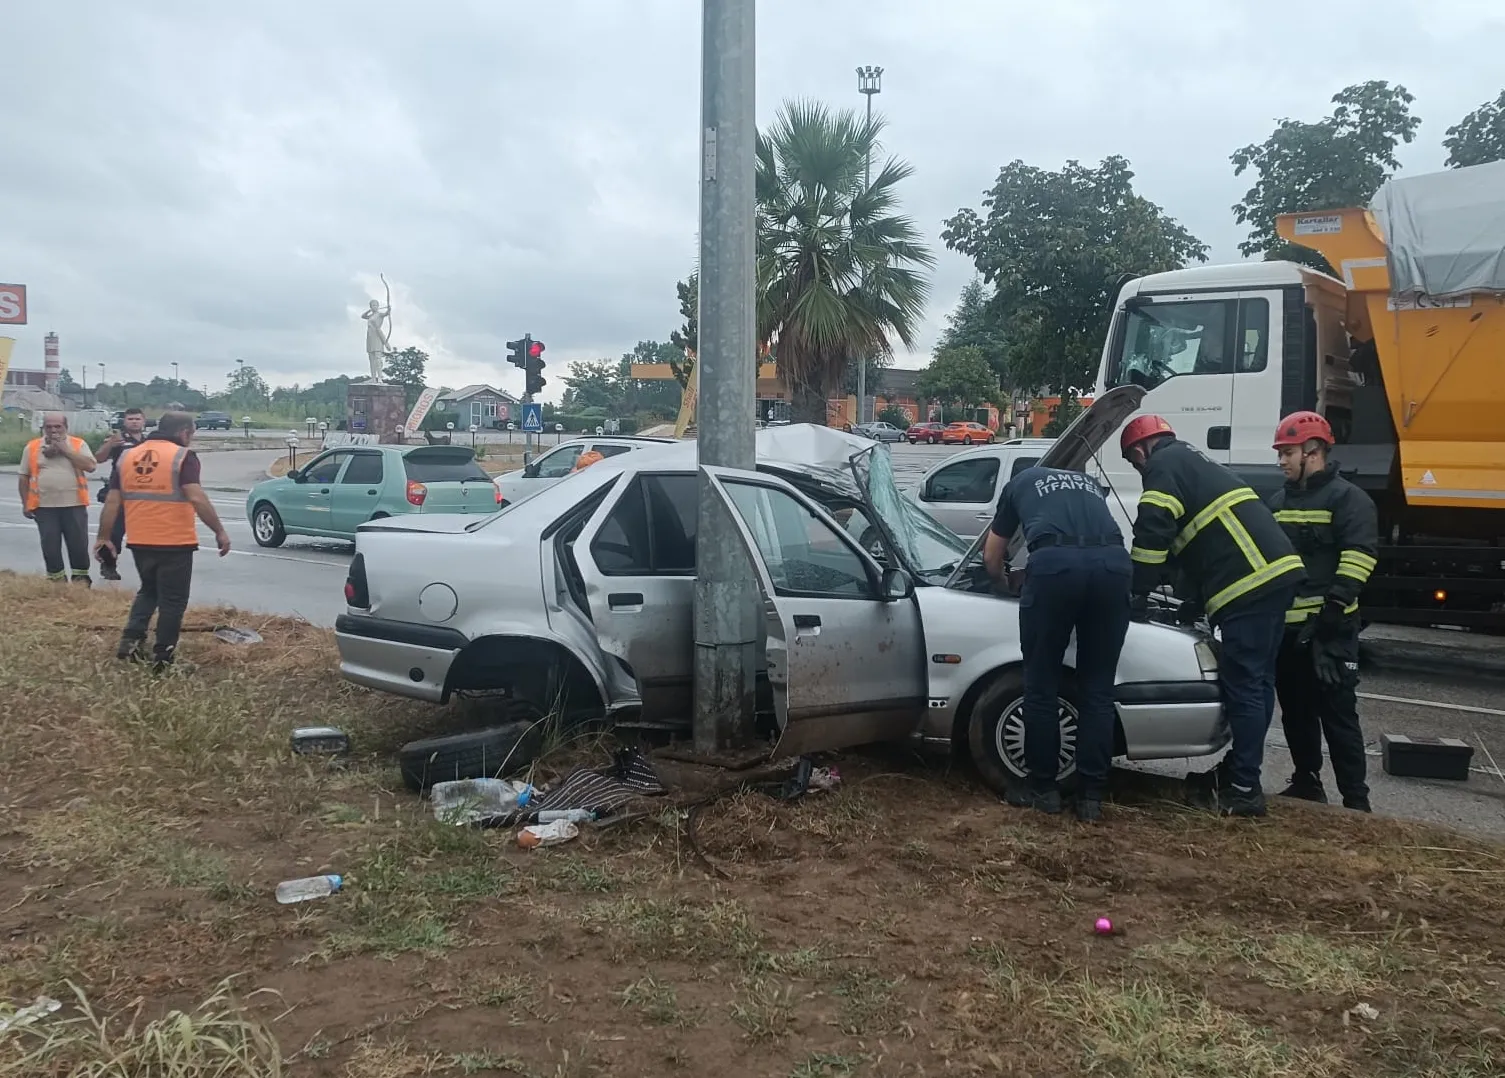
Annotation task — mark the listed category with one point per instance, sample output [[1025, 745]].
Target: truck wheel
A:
[[479, 754], [995, 731], [266, 526]]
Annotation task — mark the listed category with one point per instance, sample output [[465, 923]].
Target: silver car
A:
[[879, 623], [558, 461]]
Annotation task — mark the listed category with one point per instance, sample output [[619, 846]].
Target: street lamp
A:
[[174, 374], [869, 82]]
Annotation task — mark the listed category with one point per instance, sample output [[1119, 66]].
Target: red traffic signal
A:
[[535, 349]]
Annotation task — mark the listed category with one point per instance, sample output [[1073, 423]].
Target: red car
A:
[[929, 433]]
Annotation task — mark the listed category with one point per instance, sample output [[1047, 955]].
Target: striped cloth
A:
[[630, 776]]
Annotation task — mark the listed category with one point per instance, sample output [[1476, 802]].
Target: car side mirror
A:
[[295, 475], [896, 585]]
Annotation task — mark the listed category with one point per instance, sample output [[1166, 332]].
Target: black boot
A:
[[131, 649], [1089, 808], [1046, 799], [164, 660], [1357, 802], [1242, 801], [1305, 786]]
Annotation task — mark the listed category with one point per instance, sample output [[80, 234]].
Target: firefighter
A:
[[1200, 518], [1076, 581], [1335, 528]]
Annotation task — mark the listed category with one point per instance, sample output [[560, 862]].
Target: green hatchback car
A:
[[341, 489]]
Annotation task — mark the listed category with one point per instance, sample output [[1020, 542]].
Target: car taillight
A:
[[356, 592], [416, 492], [500, 501]]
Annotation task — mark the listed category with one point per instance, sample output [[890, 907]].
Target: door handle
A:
[[806, 625], [626, 601], [372, 491], [325, 490], [1219, 437]]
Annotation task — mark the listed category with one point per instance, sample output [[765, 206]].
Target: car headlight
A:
[[1207, 660]]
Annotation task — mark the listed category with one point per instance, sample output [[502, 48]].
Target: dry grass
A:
[[904, 924]]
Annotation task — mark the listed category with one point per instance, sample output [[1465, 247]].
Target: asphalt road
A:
[[305, 577]]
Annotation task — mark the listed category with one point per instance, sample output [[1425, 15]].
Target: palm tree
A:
[[839, 269]]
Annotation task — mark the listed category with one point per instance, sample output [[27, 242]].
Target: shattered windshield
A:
[[927, 549]]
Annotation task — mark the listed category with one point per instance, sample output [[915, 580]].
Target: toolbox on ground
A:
[[1426, 757]]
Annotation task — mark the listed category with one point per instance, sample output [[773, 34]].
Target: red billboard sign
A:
[[12, 304]]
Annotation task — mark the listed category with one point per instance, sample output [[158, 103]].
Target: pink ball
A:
[[1104, 927]]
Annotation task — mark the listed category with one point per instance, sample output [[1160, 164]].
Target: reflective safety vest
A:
[[1334, 527], [157, 513], [34, 466]]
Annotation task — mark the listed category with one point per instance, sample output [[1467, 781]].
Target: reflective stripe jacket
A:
[[1335, 528], [1200, 518], [157, 512]]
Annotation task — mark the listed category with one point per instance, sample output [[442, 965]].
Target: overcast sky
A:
[[200, 182]]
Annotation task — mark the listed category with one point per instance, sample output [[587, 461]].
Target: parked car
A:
[[929, 433], [967, 434], [559, 461], [212, 421], [962, 491], [881, 624], [346, 486], [879, 431]]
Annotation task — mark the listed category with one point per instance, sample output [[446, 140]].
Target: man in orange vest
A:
[[55, 494], [156, 484]]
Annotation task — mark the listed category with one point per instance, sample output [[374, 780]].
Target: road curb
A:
[[1422, 657]]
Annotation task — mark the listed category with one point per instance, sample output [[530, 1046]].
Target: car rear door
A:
[[358, 493], [846, 666], [452, 480], [636, 556], [962, 494]]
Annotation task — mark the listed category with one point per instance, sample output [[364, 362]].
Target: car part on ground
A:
[[478, 754]]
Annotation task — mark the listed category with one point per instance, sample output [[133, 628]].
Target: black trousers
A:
[[166, 575], [67, 525], [1085, 592], [1310, 710]]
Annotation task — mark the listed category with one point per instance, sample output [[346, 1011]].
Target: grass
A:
[[904, 924]]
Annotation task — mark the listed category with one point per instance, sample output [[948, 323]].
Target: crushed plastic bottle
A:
[[478, 801], [572, 815], [290, 891]]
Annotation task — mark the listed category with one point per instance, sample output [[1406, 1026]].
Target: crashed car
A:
[[877, 623]]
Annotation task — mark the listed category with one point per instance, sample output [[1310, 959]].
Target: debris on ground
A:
[[546, 834], [1363, 1011], [320, 741], [41, 1007], [480, 802], [310, 887]]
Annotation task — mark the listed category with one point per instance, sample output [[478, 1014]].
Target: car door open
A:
[[844, 644]]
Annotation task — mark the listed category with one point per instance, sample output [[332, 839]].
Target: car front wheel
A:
[[266, 526], [995, 731], [967, 440]]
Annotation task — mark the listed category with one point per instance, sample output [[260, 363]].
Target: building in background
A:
[[45, 379], [480, 405]]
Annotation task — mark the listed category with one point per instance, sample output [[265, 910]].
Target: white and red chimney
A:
[[52, 368]]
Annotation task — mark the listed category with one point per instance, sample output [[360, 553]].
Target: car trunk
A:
[[447, 479]]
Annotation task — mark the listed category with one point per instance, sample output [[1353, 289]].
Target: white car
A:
[[875, 624], [552, 465], [962, 491]]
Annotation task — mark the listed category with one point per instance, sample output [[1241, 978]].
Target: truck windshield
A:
[[1163, 340]]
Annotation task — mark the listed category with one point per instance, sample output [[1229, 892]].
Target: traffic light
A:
[[517, 352], [535, 379]]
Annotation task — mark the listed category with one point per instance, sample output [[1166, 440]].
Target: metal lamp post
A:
[[869, 82], [174, 374]]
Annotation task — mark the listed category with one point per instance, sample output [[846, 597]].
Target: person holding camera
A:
[[132, 432], [55, 493]]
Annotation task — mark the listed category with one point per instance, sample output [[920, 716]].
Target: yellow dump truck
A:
[[1401, 347]]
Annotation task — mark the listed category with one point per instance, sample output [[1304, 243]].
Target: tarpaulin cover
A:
[[1445, 231]]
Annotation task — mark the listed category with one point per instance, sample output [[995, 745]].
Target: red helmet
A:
[[1140, 428], [1298, 428]]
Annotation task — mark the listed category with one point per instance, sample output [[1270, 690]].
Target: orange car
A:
[[966, 434]]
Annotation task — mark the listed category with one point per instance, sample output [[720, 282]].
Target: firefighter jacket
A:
[[1335, 529], [1199, 518]]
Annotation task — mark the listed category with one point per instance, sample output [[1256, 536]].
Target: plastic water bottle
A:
[[290, 891], [570, 815]]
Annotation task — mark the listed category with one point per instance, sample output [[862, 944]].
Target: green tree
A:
[[408, 368], [686, 339], [595, 383], [1337, 162], [1065, 413], [838, 267], [1479, 137], [247, 389], [653, 395], [1054, 246], [974, 323], [959, 377], [66, 384], [894, 416]]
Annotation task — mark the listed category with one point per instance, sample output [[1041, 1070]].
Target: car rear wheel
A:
[[266, 526], [995, 731]]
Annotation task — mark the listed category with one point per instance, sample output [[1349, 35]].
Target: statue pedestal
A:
[[377, 410]]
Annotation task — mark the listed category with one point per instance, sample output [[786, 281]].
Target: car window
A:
[[442, 467], [804, 555], [364, 468], [971, 480], [622, 546], [1021, 464], [610, 450], [559, 463], [325, 469], [672, 522]]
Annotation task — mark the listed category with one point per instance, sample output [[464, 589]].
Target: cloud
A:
[[198, 183]]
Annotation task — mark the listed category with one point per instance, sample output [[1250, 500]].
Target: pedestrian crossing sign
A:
[[533, 418]]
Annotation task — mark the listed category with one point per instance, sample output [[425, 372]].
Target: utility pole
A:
[[728, 609], [869, 82]]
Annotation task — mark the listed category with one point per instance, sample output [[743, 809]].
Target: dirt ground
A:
[[905, 924]]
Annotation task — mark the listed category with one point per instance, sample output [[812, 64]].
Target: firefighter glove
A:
[[1331, 619], [1330, 661]]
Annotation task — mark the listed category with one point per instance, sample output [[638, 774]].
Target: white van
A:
[[962, 491]]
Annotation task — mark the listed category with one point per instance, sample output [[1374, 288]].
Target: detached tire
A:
[[995, 730], [266, 526], [479, 754]]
